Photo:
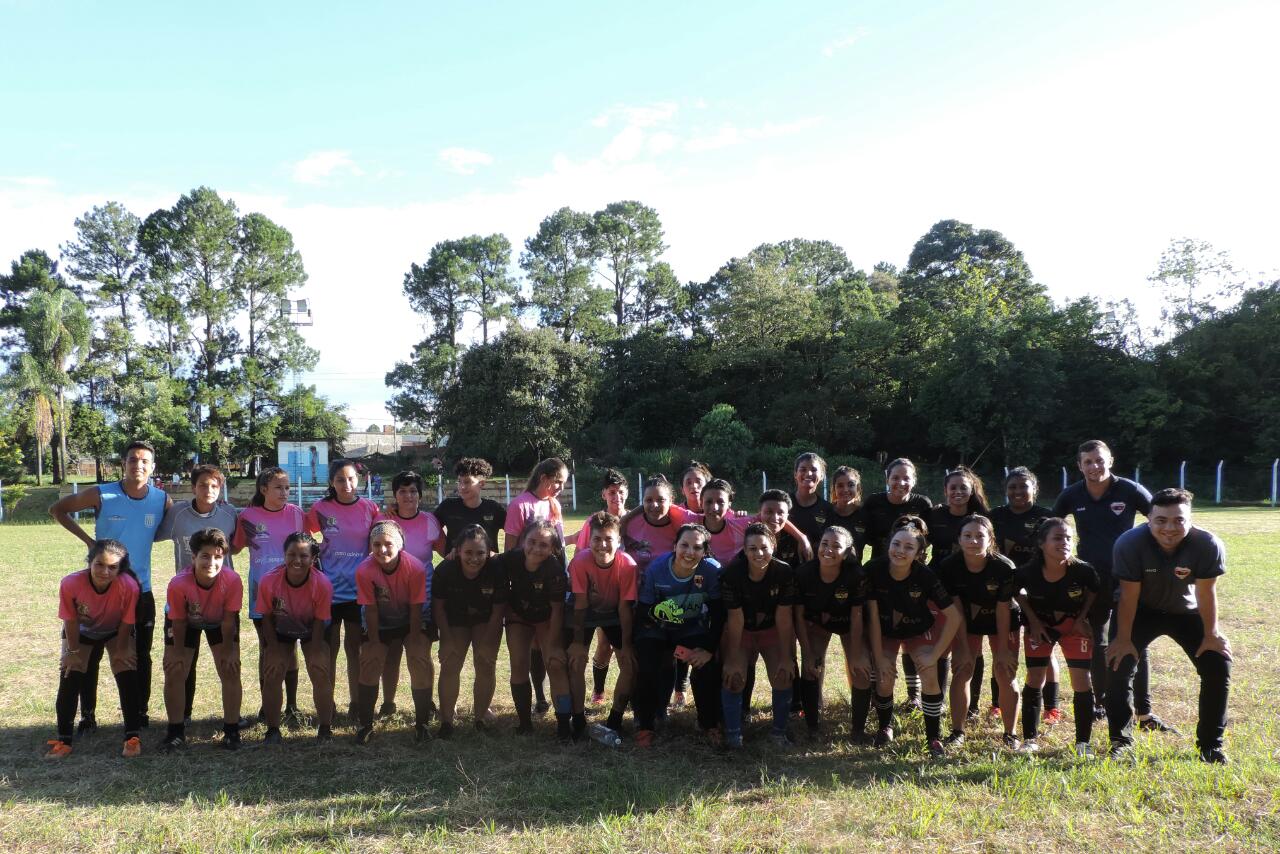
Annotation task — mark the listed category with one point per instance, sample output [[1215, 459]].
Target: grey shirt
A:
[[182, 520], [1168, 580]]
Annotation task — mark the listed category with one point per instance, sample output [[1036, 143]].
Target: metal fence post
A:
[[1275, 470], [1137, 474], [508, 480], [1217, 493], [1064, 477], [439, 490], [764, 482], [1182, 475], [574, 481]]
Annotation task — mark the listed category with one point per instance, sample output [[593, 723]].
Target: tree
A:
[[34, 271], [660, 299], [422, 382], [558, 261], [155, 409], [724, 438], [522, 396], [105, 252], [268, 269], [488, 288], [627, 238], [759, 301], [305, 415], [1196, 282], [193, 249], [55, 328], [436, 290]]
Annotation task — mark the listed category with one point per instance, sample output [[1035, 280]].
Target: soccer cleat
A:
[[643, 738], [1084, 750], [1030, 746], [132, 747], [973, 716], [386, 710], [715, 737], [993, 712], [293, 719], [87, 726], [884, 736], [1154, 724], [1051, 716], [248, 722], [781, 740], [172, 744], [677, 700], [58, 749], [324, 733], [1099, 713], [861, 739], [597, 698], [445, 730], [955, 739], [1121, 753], [230, 744], [541, 707], [733, 740], [1214, 756], [911, 704], [1011, 741], [524, 729], [273, 738], [364, 734], [421, 734], [936, 750]]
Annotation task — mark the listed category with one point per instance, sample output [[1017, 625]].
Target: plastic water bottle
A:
[[604, 735]]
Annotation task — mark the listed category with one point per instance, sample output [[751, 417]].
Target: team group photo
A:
[[833, 427]]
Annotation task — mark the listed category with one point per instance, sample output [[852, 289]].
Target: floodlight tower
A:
[[297, 313]]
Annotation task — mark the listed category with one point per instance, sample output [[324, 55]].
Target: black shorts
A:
[[192, 639], [384, 635], [430, 629], [612, 633], [344, 612]]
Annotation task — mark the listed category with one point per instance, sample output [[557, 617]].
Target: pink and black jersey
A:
[[263, 533], [201, 607], [395, 593], [100, 615], [295, 608], [527, 508], [422, 534], [345, 528], [645, 540], [603, 587]]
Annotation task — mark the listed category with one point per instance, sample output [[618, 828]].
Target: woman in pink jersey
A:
[[262, 528], [96, 606], [422, 535], [392, 588], [539, 501], [343, 519], [205, 600], [650, 530], [695, 477], [614, 494], [294, 600]]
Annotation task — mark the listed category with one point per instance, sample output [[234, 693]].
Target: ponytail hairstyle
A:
[[811, 457], [916, 526], [306, 539], [115, 547], [900, 461], [700, 530], [475, 532], [264, 478], [334, 467], [659, 481], [854, 475], [387, 526], [760, 529], [978, 494], [546, 526], [546, 468]]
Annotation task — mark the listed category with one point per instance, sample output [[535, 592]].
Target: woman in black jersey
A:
[[758, 592], [468, 596], [536, 590], [810, 512], [881, 511], [1055, 590], [1016, 522], [830, 592], [980, 577], [846, 506], [905, 601]]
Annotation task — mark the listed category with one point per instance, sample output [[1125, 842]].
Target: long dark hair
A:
[[334, 467], [115, 547], [264, 477]]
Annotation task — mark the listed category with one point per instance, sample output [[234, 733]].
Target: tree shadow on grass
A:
[[497, 781]]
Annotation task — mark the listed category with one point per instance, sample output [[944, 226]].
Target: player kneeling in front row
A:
[[758, 592], [97, 606], [391, 587], [1056, 591], [909, 609], [294, 600], [204, 599], [1167, 570]]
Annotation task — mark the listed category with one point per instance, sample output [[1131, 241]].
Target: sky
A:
[[1091, 134]]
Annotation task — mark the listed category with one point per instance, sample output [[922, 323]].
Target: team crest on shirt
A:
[[329, 523], [1182, 572], [82, 609], [697, 581], [1118, 507], [488, 518], [194, 608], [1075, 591], [382, 594], [773, 591], [278, 606], [537, 585], [149, 520], [993, 587], [487, 591], [915, 592], [821, 520], [842, 595]]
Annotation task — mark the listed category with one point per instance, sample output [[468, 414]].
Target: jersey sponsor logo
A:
[[697, 581], [1075, 591], [115, 518], [993, 587], [1151, 570], [821, 520], [1118, 507], [487, 591], [1183, 572], [842, 595], [488, 517]]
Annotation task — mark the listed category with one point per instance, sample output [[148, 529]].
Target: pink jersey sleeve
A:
[[233, 595], [578, 575], [518, 515], [627, 578], [364, 584], [129, 598], [584, 538], [322, 596], [67, 599], [176, 598], [311, 522], [684, 516], [265, 594], [417, 582]]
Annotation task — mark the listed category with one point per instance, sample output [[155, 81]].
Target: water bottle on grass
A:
[[604, 735]]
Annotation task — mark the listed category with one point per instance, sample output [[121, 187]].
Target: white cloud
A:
[[844, 42], [729, 135], [643, 116], [30, 181], [464, 161], [316, 168]]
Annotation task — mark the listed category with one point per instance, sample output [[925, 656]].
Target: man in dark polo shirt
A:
[[1167, 570], [1105, 506]]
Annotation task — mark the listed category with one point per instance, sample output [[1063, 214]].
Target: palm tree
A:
[[55, 327]]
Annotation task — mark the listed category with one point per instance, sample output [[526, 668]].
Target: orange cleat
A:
[[1052, 716], [132, 747], [58, 749]]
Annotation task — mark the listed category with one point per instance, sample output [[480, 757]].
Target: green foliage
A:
[[523, 396], [306, 415], [627, 239], [725, 441], [559, 262]]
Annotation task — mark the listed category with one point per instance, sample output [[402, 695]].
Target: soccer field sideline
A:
[[490, 793]]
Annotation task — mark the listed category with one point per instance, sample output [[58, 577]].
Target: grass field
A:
[[497, 793]]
